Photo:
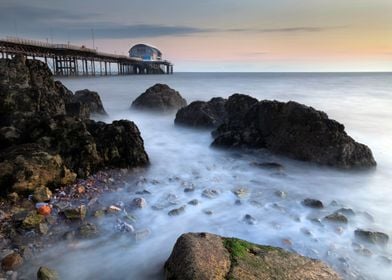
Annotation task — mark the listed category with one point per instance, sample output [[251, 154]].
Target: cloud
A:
[[300, 29]]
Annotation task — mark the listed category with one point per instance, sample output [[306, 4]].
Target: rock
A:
[[43, 228], [337, 218], [87, 231], [25, 168], [208, 212], [42, 194], [32, 221], [202, 256], [281, 194], [312, 203], [373, 237], [249, 219], [45, 273], [210, 193], [193, 202], [91, 99], [177, 211], [139, 202], [346, 211], [241, 192], [202, 114], [76, 213], [161, 98], [11, 262], [293, 130], [268, 165], [141, 234]]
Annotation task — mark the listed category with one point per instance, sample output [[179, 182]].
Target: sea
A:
[[183, 158]]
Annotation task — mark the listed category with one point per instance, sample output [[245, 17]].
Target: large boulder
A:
[[160, 98], [200, 256], [26, 167], [46, 137], [294, 130], [202, 114], [91, 99]]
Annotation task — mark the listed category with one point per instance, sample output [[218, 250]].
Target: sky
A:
[[218, 35]]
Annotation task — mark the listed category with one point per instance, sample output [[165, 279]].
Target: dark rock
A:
[[210, 193], [249, 219], [268, 165], [200, 256], [161, 98], [312, 203], [202, 114], [373, 237], [87, 231], [42, 194], [337, 218], [193, 202], [346, 211], [76, 213], [177, 211], [139, 202], [91, 99], [293, 130], [45, 273]]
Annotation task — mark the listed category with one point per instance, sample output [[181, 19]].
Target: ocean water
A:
[[182, 157]]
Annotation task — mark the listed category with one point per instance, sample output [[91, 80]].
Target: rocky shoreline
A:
[[56, 163]]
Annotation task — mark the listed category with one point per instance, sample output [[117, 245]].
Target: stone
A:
[[200, 114], [193, 202], [139, 202], [241, 192], [141, 234], [87, 231], [346, 211], [11, 262], [42, 194], [45, 273], [159, 98], [76, 213], [249, 219], [43, 228], [200, 256], [312, 203], [210, 193], [373, 237], [91, 99], [337, 218], [268, 165], [32, 220], [293, 130], [177, 211], [281, 194]]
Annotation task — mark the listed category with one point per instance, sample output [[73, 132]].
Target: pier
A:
[[71, 60]]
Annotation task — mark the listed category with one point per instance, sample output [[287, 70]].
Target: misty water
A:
[[183, 157]]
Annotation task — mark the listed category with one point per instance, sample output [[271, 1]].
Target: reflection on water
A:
[[181, 159]]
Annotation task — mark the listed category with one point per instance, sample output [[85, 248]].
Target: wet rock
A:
[[177, 211], [141, 234], [25, 168], [210, 193], [143, 192], [208, 256], [268, 165], [249, 219], [11, 262], [32, 220], [346, 211], [99, 213], [194, 202], [293, 130], [139, 202], [281, 194], [43, 228], [45, 273], [112, 209], [42, 194], [208, 212], [87, 231], [91, 99], [189, 189], [312, 203], [373, 237], [160, 98], [202, 114], [122, 226], [76, 213], [241, 192], [336, 218]]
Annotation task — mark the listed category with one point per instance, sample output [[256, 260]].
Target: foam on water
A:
[[182, 157]]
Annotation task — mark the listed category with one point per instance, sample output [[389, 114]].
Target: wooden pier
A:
[[70, 60]]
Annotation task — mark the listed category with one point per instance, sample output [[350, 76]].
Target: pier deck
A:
[[71, 60]]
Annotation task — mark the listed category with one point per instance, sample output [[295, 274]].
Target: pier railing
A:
[[72, 60]]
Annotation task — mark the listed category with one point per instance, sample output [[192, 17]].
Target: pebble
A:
[[312, 203], [11, 262], [141, 234], [241, 192], [208, 212], [193, 202], [373, 237], [336, 218], [249, 219], [281, 194], [139, 202], [177, 211], [45, 273], [210, 193]]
